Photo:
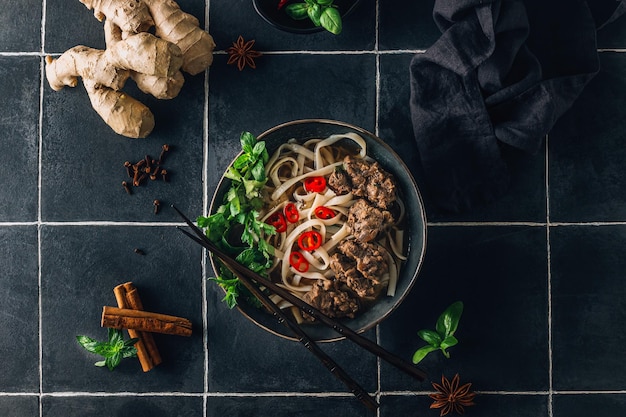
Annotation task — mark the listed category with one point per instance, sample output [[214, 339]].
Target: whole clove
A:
[[164, 149], [146, 168], [129, 169]]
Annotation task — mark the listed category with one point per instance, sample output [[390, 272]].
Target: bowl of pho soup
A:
[[349, 220]]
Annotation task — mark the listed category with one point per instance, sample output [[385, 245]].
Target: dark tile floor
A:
[[541, 270]]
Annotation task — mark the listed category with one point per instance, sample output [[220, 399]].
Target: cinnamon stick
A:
[[127, 296], [125, 318]]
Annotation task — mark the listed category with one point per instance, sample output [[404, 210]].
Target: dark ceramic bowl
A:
[[268, 10], [415, 226]]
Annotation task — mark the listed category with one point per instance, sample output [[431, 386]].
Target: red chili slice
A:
[[278, 221], [291, 213], [298, 261], [310, 240], [315, 184], [281, 3], [324, 213]]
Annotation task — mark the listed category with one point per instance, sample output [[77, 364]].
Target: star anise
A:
[[450, 397], [242, 53]]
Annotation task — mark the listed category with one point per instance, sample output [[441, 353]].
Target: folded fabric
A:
[[501, 74]]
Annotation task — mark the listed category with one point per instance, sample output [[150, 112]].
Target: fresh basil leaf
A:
[[258, 150], [258, 172], [248, 141], [449, 342], [422, 352], [104, 349], [315, 12], [113, 350], [233, 174], [113, 361], [129, 352], [430, 337], [115, 336], [448, 321], [88, 343], [325, 2], [241, 161], [297, 11], [330, 19]]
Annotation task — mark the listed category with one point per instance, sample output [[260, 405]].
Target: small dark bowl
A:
[[268, 10], [415, 225]]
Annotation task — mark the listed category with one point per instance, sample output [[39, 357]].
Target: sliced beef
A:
[[346, 271], [330, 299], [366, 221], [381, 188], [339, 182], [369, 180], [370, 258], [358, 171]]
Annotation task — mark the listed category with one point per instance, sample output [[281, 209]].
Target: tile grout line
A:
[[304, 52], [376, 132], [39, 198], [320, 394], [549, 280], [430, 224], [205, 203]]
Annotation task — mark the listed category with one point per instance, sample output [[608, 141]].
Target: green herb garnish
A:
[[113, 350], [321, 12], [235, 226], [443, 337]]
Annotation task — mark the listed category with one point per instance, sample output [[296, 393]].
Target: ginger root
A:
[[124, 114], [153, 62], [183, 30], [105, 72], [170, 22], [161, 87], [132, 16]]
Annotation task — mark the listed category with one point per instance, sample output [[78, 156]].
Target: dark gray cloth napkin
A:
[[500, 75]]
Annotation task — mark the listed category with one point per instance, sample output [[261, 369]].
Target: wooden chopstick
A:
[[339, 327], [303, 338], [358, 391]]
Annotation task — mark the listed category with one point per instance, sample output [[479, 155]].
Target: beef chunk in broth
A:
[[339, 182], [366, 221], [346, 271], [359, 268], [369, 180], [330, 299], [370, 258]]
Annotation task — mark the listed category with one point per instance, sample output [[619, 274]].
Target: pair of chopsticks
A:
[[248, 277]]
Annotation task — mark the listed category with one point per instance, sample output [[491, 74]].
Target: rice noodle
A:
[[327, 170], [334, 138], [287, 168]]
